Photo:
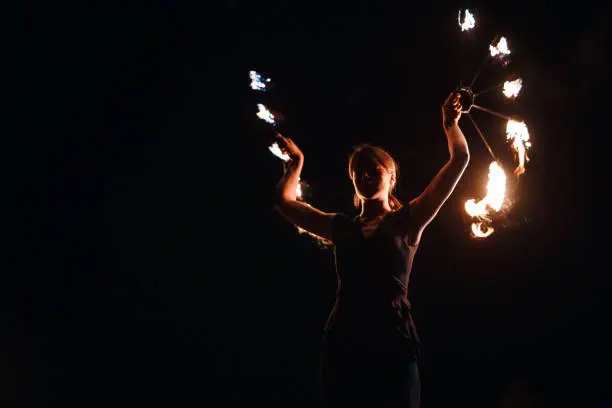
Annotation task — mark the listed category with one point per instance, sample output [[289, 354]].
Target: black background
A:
[[151, 265]]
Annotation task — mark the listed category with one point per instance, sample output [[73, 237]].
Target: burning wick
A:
[[468, 21], [298, 189], [265, 114], [256, 81], [500, 49], [477, 230], [278, 152], [512, 88], [492, 202], [518, 133]]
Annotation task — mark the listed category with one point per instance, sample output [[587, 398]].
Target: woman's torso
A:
[[373, 271]]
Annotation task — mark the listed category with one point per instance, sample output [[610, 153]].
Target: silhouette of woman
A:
[[370, 343]]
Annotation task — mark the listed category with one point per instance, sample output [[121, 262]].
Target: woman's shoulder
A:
[[343, 219], [343, 225], [403, 212]]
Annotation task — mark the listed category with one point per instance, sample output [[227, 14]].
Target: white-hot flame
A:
[[518, 134], [492, 202], [512, 88], [265, 114], [276, 150], [298, 189], [501, 48], [256, 81], [468, 20]]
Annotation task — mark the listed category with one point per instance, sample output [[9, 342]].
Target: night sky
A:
[[150, 264]]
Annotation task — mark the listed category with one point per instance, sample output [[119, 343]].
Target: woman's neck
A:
[[374, 208]]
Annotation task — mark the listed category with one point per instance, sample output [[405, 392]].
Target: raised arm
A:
[[425, 207], [297, 212]]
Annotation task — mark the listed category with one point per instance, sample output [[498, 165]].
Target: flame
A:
[[265, 114], [468, 20], [298, 189], [500, 49], [477, 230], [492, 202], [276, 150], [518, 133], [512, 88], [256, 81]]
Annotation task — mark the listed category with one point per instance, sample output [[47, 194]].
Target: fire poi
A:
[[265, 114], [258, 83], [484, 211], [261, 84]]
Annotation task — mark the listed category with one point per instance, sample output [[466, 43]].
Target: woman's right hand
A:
[[288, 147], [451, 110]]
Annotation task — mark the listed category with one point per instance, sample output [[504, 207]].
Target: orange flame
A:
[[492, 202], [518, 133], [477, 230]]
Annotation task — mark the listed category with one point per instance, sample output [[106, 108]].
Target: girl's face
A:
[[371, 179]]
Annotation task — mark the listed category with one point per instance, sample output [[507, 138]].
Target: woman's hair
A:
[[380, 156]]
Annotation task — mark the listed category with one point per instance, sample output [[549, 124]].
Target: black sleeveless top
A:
[[372, 311]]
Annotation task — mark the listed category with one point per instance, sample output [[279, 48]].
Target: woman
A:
[[370, 344]]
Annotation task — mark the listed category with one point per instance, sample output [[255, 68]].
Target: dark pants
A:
[[392, 384]]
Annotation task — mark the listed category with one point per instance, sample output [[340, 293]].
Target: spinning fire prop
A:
[[485, 210]]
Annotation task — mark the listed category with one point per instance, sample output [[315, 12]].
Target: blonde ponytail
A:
[[394, 202]]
